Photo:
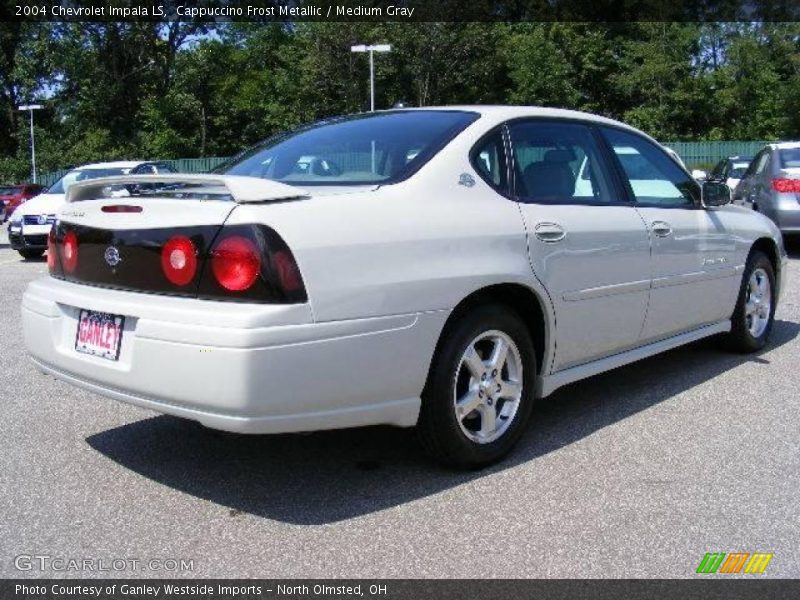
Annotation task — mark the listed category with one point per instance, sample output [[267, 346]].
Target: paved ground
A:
[[635, 473]]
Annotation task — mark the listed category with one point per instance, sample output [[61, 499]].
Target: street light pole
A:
[[30, 108], [371, 49]]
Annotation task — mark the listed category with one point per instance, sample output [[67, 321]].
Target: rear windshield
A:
[[790, 158], [9, 190], [62, 185], [365, 149]]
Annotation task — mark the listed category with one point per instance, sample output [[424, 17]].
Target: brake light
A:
[[69, 251], [236, 263], [179, 260], [121, 208], [51, 250], [786, 186]]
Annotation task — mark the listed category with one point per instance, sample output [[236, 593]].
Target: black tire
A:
[[29, 254], [439, 430], [740, 339]]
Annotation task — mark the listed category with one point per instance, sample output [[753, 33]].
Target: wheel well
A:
[[768, 247], [524, 301]]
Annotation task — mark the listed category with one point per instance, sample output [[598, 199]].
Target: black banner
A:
[[243, 589], [403, 10]]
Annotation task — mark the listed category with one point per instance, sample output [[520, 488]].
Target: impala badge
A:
[[112, 256]]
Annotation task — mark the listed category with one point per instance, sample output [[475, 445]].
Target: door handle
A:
[[550, 232], [661, 228]]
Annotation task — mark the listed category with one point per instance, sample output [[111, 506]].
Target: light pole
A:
[[30, 108], [371, 49]]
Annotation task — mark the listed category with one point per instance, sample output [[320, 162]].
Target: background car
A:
[[731, 170], [11, 196], [771, 185], [31, 222]]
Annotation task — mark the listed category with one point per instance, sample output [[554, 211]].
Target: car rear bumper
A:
[[785, 212], [238, 367]]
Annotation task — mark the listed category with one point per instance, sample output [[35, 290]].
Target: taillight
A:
[[179, 260], [51, 250], [786, 186], [69, 251], [287, 271], [235, 263]]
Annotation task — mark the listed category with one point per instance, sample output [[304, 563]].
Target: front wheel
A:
[[479, 395], [754, 314]]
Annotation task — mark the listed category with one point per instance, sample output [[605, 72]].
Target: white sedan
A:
[[438, 268]]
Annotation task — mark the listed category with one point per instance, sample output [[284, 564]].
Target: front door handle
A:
[[661, 228], [550, 232]]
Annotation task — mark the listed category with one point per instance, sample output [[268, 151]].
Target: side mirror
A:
[[715, 193], [699, 174]]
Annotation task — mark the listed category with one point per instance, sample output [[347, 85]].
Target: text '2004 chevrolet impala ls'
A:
[[437, 268]]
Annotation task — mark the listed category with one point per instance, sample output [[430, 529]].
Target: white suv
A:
[[439, 268]]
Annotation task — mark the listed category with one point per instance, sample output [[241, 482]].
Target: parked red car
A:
[[11, 196]]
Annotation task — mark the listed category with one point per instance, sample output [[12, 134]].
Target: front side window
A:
[[365, 149], [558, 163], [653, 176]]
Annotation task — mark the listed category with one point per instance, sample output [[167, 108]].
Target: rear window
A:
[[365, 149], [790, 158], [737, 172], [9, 190], [62, 185]]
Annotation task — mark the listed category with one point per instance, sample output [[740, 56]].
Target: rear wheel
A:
[[479, 394], [29, 254], [754, 314]]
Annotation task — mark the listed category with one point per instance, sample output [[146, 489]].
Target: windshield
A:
[[62, 185], [790, 158], [366, 149]]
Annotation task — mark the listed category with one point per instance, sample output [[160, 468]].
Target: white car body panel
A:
[[384, 267]]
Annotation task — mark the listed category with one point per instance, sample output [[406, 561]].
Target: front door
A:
[[694, 260], [587, 244]]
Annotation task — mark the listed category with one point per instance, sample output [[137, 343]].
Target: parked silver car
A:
[[771, 185]]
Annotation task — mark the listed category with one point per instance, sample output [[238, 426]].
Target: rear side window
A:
[[558, 163], [489, 160], [789, 158], [654, 177], [366, 149]]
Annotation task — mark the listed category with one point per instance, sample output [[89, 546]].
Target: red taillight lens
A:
[[786, 186], [51, 250], [179, 260], [288, 273], [69, 251], [236, 263]]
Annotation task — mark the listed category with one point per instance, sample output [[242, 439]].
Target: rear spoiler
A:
[[239, 189]]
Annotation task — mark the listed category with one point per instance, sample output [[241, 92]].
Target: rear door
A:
[[587, 244], [693, 254]]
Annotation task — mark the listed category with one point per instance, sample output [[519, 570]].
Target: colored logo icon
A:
[[734, 562]]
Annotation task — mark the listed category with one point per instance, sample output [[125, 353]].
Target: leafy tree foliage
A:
[[168, 90]]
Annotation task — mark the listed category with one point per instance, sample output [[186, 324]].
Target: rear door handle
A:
[[661, 228], [550, 232]]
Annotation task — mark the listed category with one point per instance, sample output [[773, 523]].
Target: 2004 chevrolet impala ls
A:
[[439, 268]]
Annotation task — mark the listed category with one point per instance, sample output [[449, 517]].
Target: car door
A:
[[746, 191], [693, 254], [587, 244]]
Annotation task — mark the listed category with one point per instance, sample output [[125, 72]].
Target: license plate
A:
[[99, 334]]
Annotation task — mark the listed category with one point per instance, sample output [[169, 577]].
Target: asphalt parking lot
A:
[[634, 473]]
